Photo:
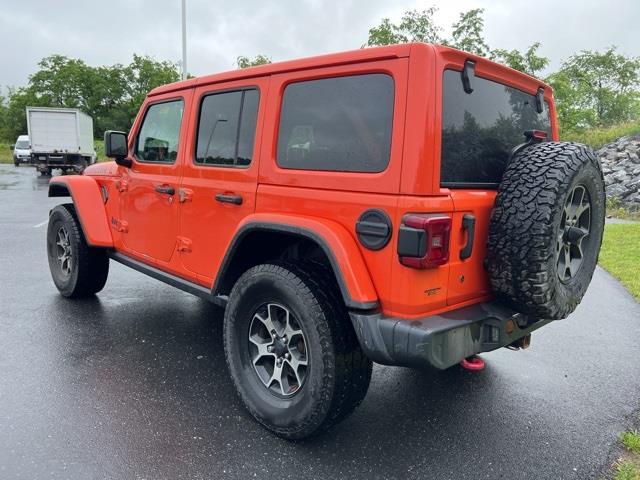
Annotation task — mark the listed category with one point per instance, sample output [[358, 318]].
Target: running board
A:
[[169, 279]]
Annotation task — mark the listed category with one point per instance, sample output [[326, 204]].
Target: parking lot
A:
[[133, 384]]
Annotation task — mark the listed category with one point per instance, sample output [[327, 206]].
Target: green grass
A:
[[631, 440], [628, 467], [6, 155], [620, 254], [597, 137], [626, 470]]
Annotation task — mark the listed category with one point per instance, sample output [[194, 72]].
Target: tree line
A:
[[111, 94], [591, 88]]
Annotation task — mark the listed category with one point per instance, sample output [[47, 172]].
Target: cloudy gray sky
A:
[[107, 32]]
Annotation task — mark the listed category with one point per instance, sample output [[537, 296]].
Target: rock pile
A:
[[621, 168]]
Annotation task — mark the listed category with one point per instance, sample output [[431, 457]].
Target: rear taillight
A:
[[423, 240]]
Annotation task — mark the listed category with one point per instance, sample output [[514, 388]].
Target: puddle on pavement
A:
[[12, 177]]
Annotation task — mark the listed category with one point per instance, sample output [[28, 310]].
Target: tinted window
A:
[[227, 128], [340, 124], [480, 129], [157, 140]]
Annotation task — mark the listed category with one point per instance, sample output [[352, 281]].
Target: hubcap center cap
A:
[[280, 347], [573, 234]]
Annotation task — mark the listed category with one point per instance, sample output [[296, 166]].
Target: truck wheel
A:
[[291, 350], [546, 229], [77, 269]]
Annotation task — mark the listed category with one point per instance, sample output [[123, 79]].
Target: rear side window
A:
[[227, 128], [480, 129], [160, 131], [337, 124]]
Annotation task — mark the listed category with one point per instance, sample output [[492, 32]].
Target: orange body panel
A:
[[89, 205], [189, 233], [354, 271]]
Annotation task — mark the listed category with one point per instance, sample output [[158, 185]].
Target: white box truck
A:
[[60, 138]]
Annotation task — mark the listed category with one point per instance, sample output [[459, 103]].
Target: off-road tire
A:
[[89, 266], [525, 227], [339, 372]]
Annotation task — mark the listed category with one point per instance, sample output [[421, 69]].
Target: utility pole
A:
[[184, 39]]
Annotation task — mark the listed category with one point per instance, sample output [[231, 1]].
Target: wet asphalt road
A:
[[133, 384]]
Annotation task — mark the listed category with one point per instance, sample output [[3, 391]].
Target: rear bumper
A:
[[440, 340], [46, 161]]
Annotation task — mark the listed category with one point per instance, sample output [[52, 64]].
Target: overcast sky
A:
[[107, 32]]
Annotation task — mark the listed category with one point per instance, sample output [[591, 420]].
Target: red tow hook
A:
[[472, 363]]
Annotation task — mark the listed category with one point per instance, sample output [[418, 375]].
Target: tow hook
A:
[[473, 363], [521, 343]]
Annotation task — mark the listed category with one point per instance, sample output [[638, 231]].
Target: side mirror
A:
[[11, 147], [116, 147]]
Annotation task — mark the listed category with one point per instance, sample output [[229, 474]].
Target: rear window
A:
[[480, 129], [337, 124]]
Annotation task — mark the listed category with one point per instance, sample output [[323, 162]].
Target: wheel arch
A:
[[322, 239], [89, 205]]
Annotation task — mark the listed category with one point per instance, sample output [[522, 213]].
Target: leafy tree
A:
[[528, 62], [16, 118], [597, 89], [246, 62], [415, 26], [468, 33], [3, 116], [142, 75], [111, 95]]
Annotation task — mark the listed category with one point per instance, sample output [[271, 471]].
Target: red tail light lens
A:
[[423, 241]]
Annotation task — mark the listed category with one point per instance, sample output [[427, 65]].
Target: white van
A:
[[22, 151]]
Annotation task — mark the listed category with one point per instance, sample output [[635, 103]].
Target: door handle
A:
[[468, 224], [229, 198], [166, 189]]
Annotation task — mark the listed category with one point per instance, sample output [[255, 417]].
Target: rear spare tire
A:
[[546, 229]]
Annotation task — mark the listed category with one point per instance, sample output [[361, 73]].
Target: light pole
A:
[[184, 39]]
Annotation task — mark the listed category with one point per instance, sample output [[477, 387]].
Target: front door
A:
[[220, 172], [149, 207]]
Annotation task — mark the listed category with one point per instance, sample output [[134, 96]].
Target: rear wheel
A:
[[291, 350], [77, 269]]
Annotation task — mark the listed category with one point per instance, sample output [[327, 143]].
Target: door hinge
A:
[[120, 225], [122, 185], [185, 194], [184, 245]]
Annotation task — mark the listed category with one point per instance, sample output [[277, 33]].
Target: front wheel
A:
[[77, 269], [291, 350]]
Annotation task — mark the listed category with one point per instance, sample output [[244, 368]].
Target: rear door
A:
[[479, 130], [220, 172]]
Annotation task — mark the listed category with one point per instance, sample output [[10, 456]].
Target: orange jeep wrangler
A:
[[408, 205]]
